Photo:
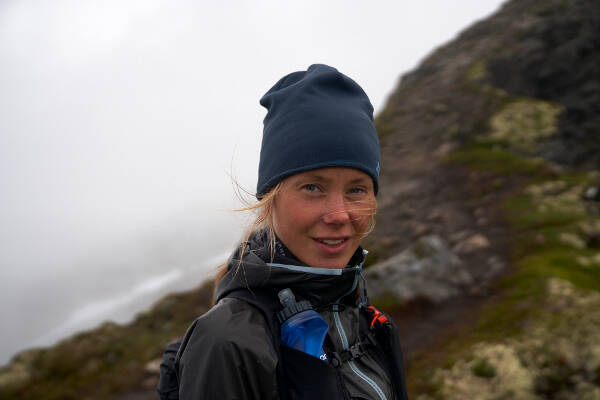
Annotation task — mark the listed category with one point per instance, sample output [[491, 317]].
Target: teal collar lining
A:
[[319, 271], [308, 270]]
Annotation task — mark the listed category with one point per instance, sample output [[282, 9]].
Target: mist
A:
[[124, 126]]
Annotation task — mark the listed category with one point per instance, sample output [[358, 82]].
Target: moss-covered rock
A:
[[558, 357], [522, 123]]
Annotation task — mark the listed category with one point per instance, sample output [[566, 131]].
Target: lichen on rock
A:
[[557, 196], [510, 380], [522, 123], [571, 239], [557, 357]]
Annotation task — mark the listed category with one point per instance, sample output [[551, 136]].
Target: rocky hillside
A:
[[487, 246], [492, 152]]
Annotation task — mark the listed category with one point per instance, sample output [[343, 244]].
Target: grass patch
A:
[[483, 369], [561, 263], [523, 214], [492, 157]]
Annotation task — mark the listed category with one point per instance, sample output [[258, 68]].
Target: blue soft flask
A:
[[301, 327]]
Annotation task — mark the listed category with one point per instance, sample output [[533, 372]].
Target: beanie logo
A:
[[377, 168]]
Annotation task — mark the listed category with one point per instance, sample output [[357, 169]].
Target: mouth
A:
[[332, 243]]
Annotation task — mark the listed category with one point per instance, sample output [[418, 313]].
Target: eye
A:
[[357, 190], [310, 187]]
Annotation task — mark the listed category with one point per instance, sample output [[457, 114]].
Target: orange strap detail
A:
[[377, 316]]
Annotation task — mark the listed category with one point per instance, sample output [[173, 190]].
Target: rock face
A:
[[526, 77], [428, 270], [556, 58]]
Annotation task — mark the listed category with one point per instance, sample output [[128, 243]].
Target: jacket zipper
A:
[[344, 338]]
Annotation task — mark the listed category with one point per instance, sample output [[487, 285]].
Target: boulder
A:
[[591, 193], [472, 243], [428, 270]]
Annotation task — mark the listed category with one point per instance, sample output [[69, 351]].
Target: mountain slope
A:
[[493, 145], [495, 135]]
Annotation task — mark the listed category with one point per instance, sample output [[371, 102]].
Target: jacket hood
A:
[[321, 286]]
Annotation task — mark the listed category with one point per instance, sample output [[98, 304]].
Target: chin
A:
[[333, 263]]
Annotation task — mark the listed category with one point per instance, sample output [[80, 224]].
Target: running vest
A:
[[302, 376]]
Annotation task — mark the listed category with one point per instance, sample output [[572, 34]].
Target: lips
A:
[[331, 242], [332, 245]]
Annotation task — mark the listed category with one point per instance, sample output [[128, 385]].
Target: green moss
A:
[[498, 183], [483, 369], [477, 71], [523, 213], [562, 263], [491, 156]]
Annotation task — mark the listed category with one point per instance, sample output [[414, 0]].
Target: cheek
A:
[[289, 214], [295, 216], [361, 215]]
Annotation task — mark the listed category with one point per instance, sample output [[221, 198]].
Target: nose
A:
[[336, 211]]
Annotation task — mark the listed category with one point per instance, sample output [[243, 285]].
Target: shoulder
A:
[[228, 353], [230, 327], [233, 319]]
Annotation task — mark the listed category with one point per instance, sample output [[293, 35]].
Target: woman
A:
[[318, 178]]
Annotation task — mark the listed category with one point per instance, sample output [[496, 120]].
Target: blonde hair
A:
[[262, 220]]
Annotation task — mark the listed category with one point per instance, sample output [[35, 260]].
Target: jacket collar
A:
[[321, 286]]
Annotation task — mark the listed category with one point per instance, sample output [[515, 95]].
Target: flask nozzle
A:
[[286, 297]]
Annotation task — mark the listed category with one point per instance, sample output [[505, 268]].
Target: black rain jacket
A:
[[231, 353]]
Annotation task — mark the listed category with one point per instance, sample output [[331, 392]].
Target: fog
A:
[[123, 124]]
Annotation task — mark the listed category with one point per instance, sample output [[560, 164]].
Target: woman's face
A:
[[321, 215]]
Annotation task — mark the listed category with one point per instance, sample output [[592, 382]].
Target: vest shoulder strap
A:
[[382, 330]]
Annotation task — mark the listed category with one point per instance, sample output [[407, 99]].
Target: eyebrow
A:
[[317, 177]]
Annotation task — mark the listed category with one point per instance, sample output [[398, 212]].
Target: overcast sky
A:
[[121, 122]]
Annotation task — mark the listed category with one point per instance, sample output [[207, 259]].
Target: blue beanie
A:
[[316, 118]]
